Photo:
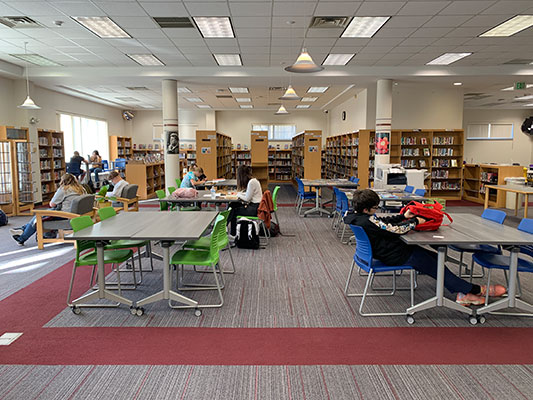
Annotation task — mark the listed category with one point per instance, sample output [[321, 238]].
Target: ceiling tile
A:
[[188, 33], [509, 7], [146, 33], [448, 41], [335, 9], [431, 32], [78, 9], [296, 8], [252, 33], [467, 7], [244, 42], [187, 51], [34, 8], [423, 7], [486, 21], [446, 21], [309, 42], [7, 10], [221, 42], [318, 32], [156, 42], [376, 50], [254, 9], [379, 8], [251, 22], [406, 22], [207, 9], [118, 9], [466, 32], [135, 22], [189, 42], [418, 41], [377, 42], [165, 9], [394, 32]]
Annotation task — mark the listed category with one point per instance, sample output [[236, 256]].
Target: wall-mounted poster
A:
[[173, 142], [206, 150], [313, 149]]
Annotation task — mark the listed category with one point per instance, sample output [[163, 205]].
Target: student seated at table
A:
[[118, 186], [250, 193], [74, 166], [387, 247], [192, 178], [96, 165], [69, 189], [202, 177]]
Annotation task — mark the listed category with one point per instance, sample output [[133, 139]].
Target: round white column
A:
[[171, 130], [383, 120]]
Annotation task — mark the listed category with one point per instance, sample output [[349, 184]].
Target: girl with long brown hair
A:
[[250, 193]]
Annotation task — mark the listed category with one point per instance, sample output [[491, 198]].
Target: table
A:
[[164, 227], [322, 183], [222, 182], [386, 195], [526, 191], [204, 196], [470, 229]]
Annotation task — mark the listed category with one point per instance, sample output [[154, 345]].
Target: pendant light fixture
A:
[[281, 111], [304, 64], [28, 103], [290, 94]]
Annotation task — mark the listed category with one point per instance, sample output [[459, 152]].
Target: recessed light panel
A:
[[303, 106], [338, 59], [146, 60], [228, 60], [214, 27], [528, 97], [194, 99], [184, 90], [457, 83], [243, 99], [246, 106], [448, 58], [510, 27], [103, 27], [309, 99], [36, 59], [203, 106], [364, 27], [317, 89], [239, 90]]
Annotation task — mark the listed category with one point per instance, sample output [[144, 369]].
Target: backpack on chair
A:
[[432, 213], [247, 234]]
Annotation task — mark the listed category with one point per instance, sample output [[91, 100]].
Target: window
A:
[[84, 135], [488, 131], [276, 132]]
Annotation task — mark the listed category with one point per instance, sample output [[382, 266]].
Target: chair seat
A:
[[110, 257], [204, 243], [498, 261], [308, 195], [249, 217], [57, 224], [378, 266], [472, 248], [193, 257], [124, 244], [192, 208]]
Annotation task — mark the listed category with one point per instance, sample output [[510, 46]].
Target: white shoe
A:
[[16, 231]]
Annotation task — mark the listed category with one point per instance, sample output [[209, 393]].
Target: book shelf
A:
[[16, 179], [120, 147], [240, 157], [306, 155], [438, 151], [323, 170], [476, 176], [149, 177], [213, 154], [279, 165], [51, 162], [187, 158], [259, 157]]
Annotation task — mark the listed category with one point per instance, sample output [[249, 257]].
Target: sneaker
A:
[[469, 299], [17, 239], [16, 231], [494, 290]]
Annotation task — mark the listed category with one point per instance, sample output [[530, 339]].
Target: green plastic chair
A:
[[275, 201], [109, 212], [86, 255], [208, 258], [204, 243], [171, 189], [178, 182], [163, 205], [439, 200]]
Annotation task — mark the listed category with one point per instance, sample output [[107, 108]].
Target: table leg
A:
[[318, 209], [526, 198], [516, 204], [486, 198]]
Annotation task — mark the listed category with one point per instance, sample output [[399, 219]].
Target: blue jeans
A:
[[96, 171], [425, 261], [29, 230]]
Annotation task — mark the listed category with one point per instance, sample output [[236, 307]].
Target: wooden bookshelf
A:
[[476, 176], [16, 179], [259, 157], [187, 158], [240, 157], [306, 155], [279, 165], [213, 154], [149, 177], [120, 147], [51, 162]]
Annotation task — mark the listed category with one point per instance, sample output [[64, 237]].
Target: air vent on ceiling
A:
[[224, 96], [222, 90], [478, 97], [137, 88], [174, 22], [276, 88], [472, 94], [519, 61], [330, 22], [274, 104], [127, 99], [19, 22], [490, 104]]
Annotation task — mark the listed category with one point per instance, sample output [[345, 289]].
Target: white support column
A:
[[383, 122], [171, 131]]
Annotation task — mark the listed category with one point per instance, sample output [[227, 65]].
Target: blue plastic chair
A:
[[363, 259], [120, 164], [105, 165], [492, 261], [338, 208], [345, 207], [491, 214], [354, 179], [409, 189], [303, 196], [420, 192]]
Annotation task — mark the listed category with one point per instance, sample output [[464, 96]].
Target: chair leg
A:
[[218, 286], [352, 266], [367, 284], [488, 286], [118, 278], [412, 281], [69, 303], [149, 249], [232, 271]]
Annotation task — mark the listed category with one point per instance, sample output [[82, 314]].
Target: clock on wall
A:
[[344, 115]]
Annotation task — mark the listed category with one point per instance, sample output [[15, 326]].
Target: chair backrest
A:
[[120, 163], [301, 188], [105, 165], [526, 225], [338, 199], [345, 203], [420, 192], [494, 215], [171, 189], [103, 190], [216, 236], [178, 182], [82, 204], [275, 197], [163, 205], [354, 179], [409, 189], [363, 248], [223, 238], [78, 224], [106, 212]]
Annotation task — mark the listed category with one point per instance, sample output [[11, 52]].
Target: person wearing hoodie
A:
[[384, 234]]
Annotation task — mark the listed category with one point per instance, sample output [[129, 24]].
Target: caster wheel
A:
[[198, 312], [473, 320], [76, 310], [410, 319], [133, 310], [482, 319], [139, 312]]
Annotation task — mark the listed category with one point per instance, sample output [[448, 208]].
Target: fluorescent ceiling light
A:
[[203, 106], [317, 89], [36, 59], [338, 59], [214, 27], [448, 58], [510, 27], [457, 83], [364, 27], [528, 97], [309, 99], [184, 90], [194, 99], [528, 105], [226, 60], [146, 60], [303, 106], [103, 27], [243, 99], [290, 94], [246, 106], [239, 90], [147, 106], [511, 88], [281, 111]]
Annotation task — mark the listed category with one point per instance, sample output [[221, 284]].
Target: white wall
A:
[[518, 150], [238, 124], [7, 115], [356, 115]]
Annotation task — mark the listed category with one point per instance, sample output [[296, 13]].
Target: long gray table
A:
[[164, 227], [524, 190], [203, 196], [221, 183], [325, 183], [468, 229], [386, 196]]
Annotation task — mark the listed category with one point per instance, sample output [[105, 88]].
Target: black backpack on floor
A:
[[247, 234], [3, 218]]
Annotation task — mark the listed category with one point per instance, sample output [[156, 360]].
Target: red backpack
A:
[[432, 213]]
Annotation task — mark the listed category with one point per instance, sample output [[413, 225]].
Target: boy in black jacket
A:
[[387, 247]]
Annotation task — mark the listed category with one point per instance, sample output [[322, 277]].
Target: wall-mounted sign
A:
[[206, 150], [173, 142]]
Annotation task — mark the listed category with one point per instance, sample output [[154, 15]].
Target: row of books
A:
[[412, 141], [443, 140], [416, 152], [440, 174], [445, 186], [440, 152], [444, 163], [489, 177], [413, 163]]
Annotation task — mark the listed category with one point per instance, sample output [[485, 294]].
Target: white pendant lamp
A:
[[281, 111], [28, 104], [304, 64], [290, 94]]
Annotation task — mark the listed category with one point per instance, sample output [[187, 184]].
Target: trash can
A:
[[516, 183]]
